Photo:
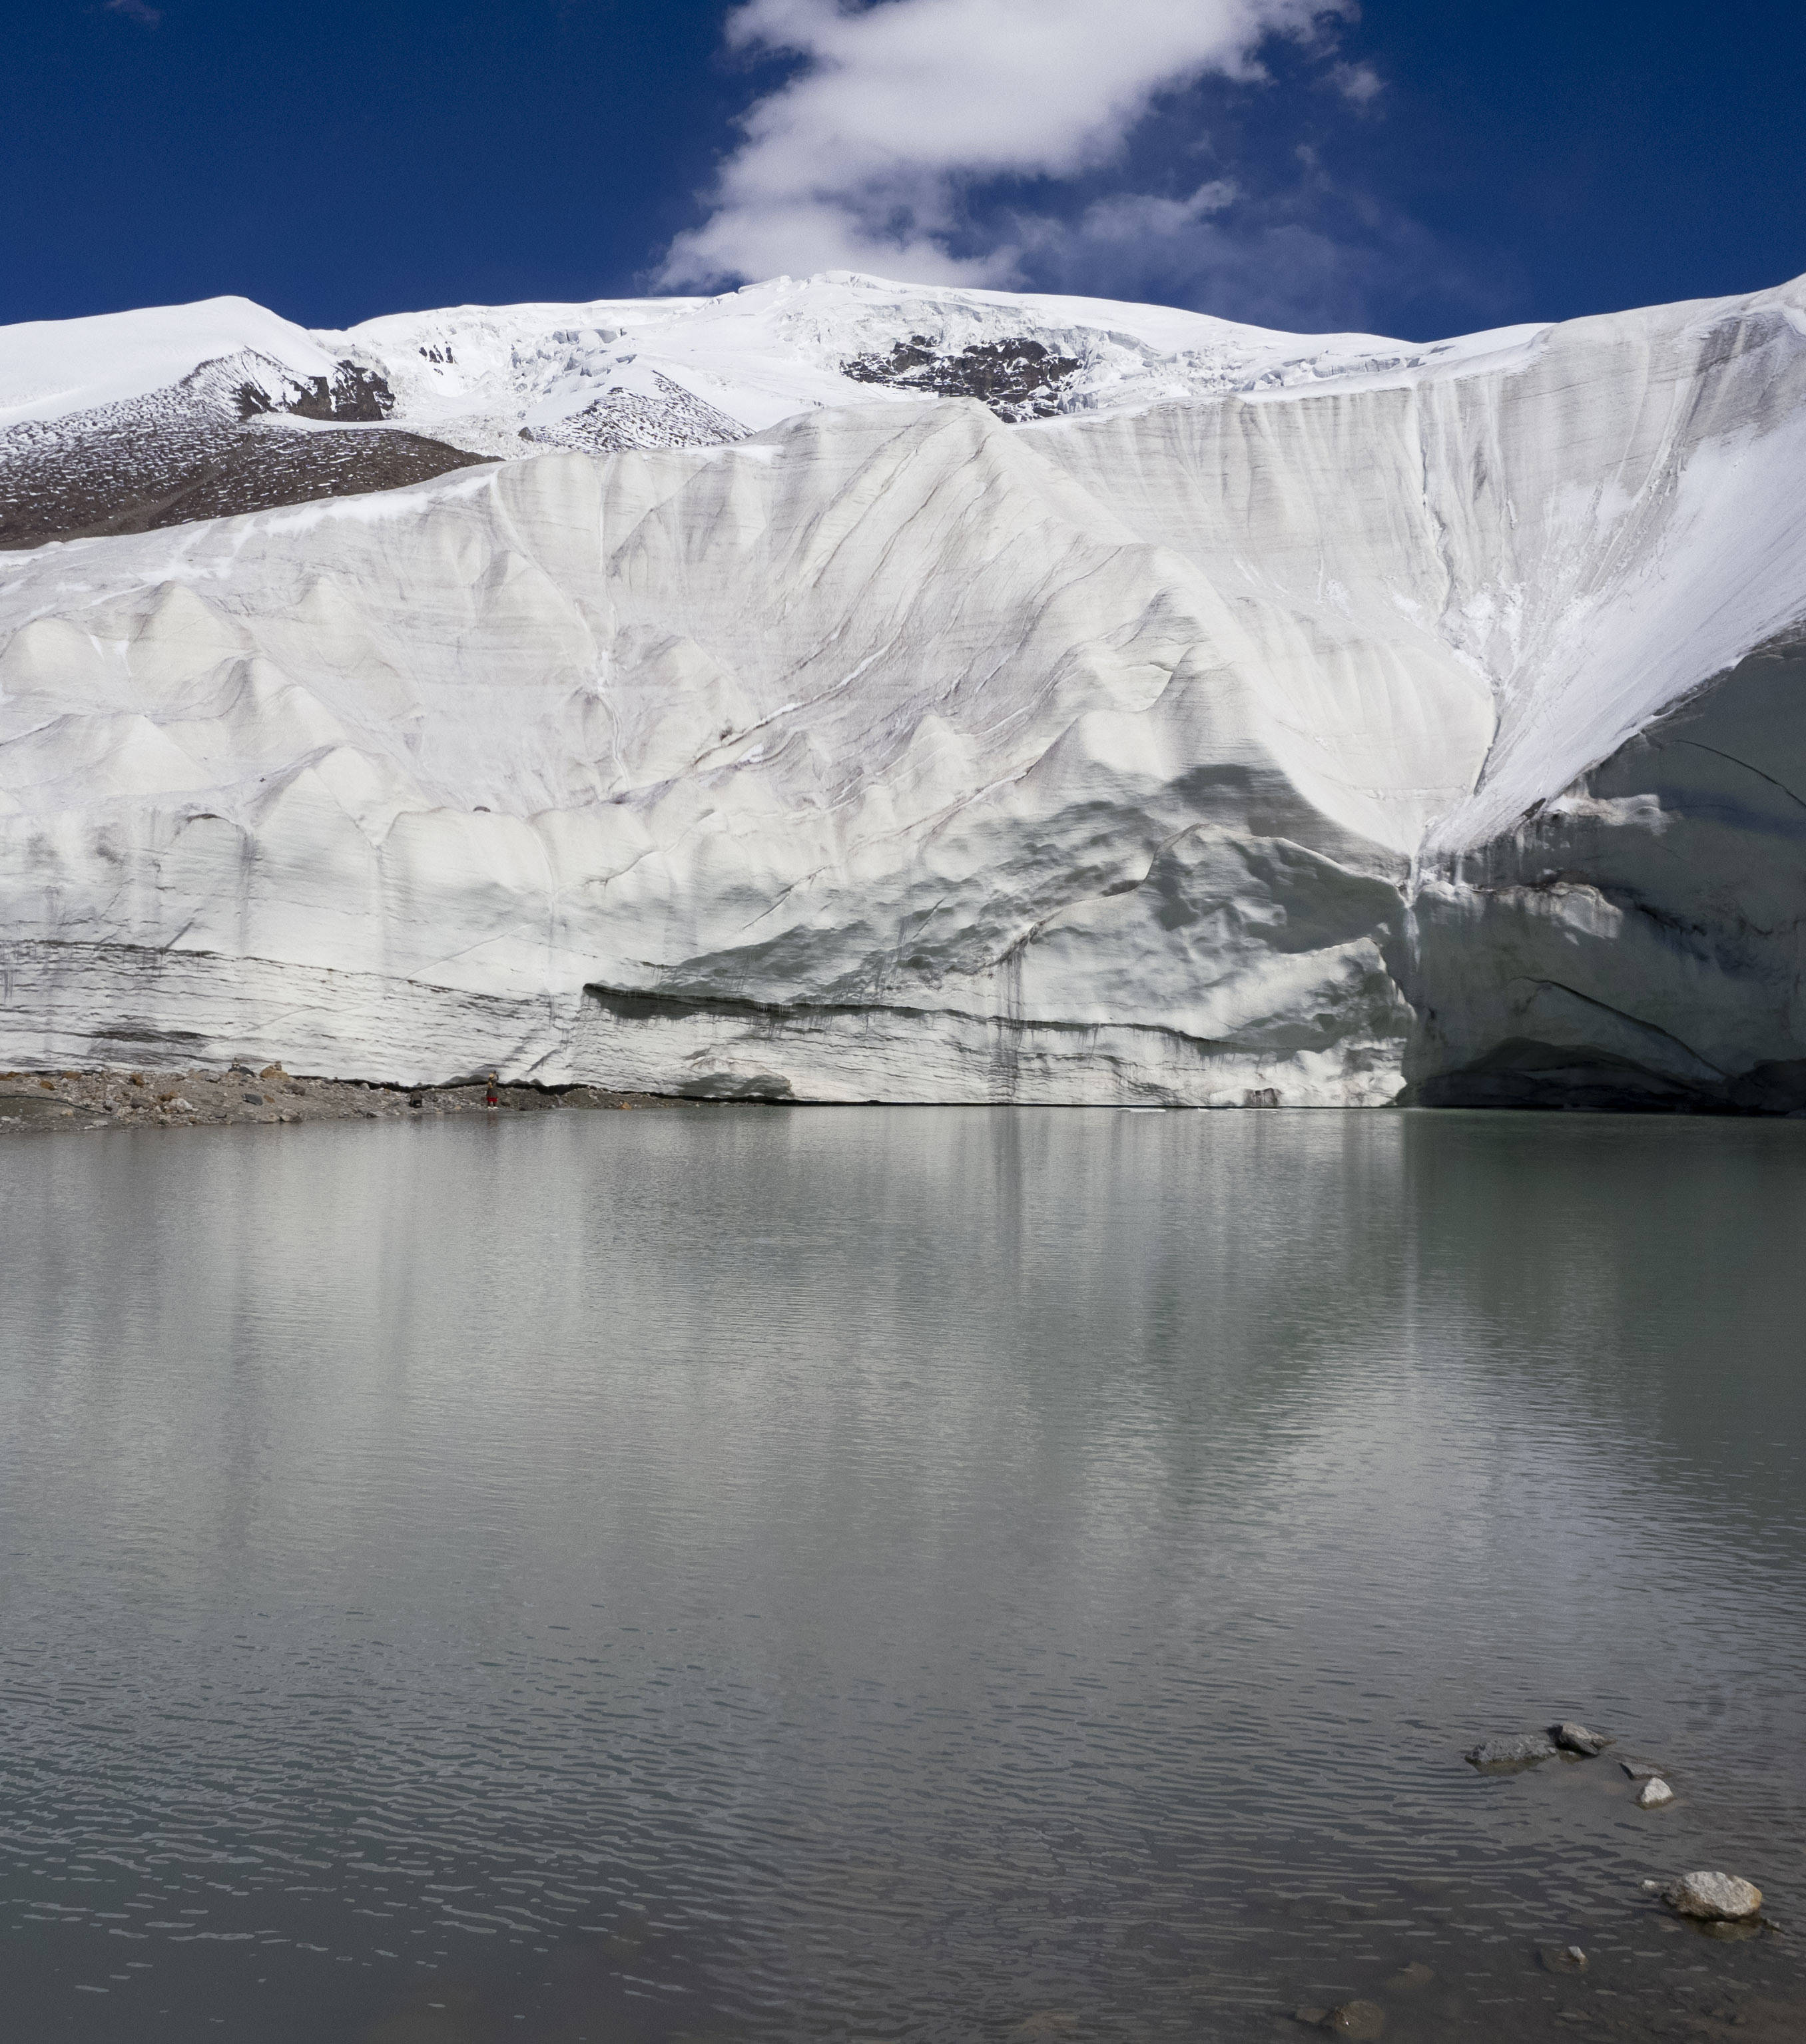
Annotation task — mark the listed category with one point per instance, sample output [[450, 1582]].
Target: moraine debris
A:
[[73, 1102]]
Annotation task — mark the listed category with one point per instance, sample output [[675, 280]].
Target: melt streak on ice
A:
[[840, 690]]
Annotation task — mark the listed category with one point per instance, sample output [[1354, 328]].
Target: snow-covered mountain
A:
[[137, 419], [841, 689]]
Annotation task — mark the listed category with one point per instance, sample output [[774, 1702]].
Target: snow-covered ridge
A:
[[1265, 714], [50, 368], [483, 376], [771, 350]]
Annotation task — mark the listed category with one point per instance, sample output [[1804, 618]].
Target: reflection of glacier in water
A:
[[744, 1572]]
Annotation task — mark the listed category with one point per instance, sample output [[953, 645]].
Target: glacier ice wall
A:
[[1426, 720], [1636, 941]]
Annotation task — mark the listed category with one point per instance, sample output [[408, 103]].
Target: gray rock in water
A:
[[1046, 2023], [1720, 1898], [1639, 1770], [1365, 2020], [1361, 2019], [1654, 1793], [1518, 1751], [1562, 1959], [1577, 1738], [1414, 1975]]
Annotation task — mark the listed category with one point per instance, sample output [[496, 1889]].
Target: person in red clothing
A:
[[490, 1099]]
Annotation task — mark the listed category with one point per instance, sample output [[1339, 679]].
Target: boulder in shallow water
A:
[[1519, 1750], [1361, 2019], [1654, 1793], [1720, 1898], [1577, 1738], [1562, 1959]]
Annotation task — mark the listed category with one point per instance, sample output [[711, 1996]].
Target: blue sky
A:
[[1410, 168]]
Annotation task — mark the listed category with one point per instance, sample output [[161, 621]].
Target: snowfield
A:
[[846, 691]]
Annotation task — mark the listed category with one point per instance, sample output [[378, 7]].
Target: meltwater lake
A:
[[897, 1574]]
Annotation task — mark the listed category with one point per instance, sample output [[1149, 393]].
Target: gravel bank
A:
[[45, 1101]]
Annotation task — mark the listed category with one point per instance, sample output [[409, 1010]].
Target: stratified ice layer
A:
[[1290, 720]]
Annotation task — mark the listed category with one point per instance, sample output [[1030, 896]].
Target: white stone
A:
[[1720, 1897], [1654, 1793]]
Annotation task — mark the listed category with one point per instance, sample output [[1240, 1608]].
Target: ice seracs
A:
[[1260, 717]]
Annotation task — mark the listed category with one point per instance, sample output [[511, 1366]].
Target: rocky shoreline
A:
[[198, 1098]]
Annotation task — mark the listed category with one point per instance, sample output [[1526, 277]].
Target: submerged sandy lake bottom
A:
[[896, 1574]]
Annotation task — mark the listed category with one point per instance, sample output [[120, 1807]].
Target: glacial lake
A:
[[896, 1574]]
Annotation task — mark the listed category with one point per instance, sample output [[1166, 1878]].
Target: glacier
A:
[[842, 690]]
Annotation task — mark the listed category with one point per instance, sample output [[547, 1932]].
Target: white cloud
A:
[[1293, 273], [1136, 217], [1295, 253], [860, 159], [1359, 83]]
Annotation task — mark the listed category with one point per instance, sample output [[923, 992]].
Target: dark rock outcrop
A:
[[210, 447], [1018, 379], [350, 396]]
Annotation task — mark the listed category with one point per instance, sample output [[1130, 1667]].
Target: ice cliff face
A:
[[938, 695]]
